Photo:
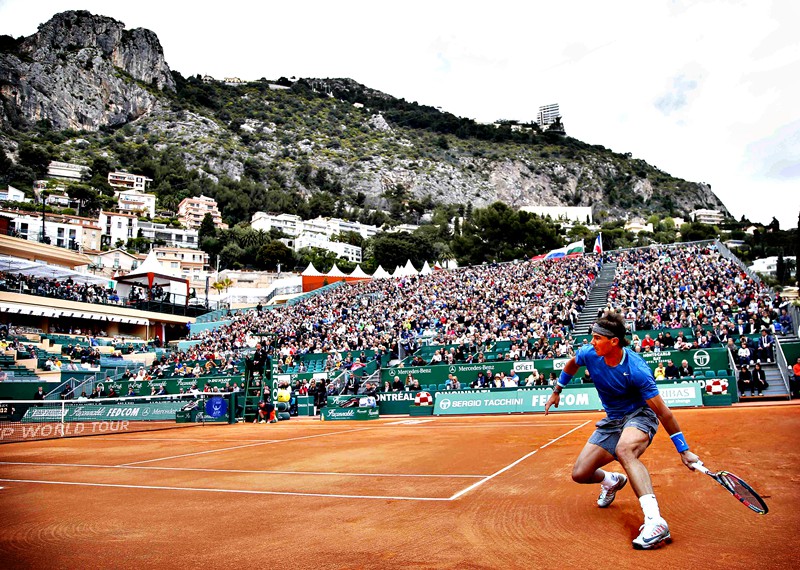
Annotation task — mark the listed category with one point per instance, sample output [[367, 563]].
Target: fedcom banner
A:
[[93, 412], [527, 400], [506, 402]]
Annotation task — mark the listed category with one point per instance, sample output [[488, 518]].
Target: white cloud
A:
[[704, 90]]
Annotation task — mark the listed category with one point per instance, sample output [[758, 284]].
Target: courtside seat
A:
[[442, 387], [710, 374], [722, 373]]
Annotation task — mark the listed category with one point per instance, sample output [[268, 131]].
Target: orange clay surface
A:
[[450, 492]]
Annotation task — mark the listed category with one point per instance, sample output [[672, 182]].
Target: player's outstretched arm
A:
[[570, 368], [666, 417]]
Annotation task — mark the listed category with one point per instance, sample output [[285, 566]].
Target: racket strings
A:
[[742, 491]]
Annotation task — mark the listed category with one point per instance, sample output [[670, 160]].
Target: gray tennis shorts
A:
[[609, 430]]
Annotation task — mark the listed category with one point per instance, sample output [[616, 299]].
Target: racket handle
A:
[[698, 466]]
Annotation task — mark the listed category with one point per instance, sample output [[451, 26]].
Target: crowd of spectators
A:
[[531, 304], [65, 289], [689, 287]]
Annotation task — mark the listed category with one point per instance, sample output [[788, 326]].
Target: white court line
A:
[[240, 447], [470, 426], [184, 439], [238, 491], [247, 471], [517, 462]]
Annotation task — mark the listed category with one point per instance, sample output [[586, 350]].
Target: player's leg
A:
[[632, 443], [587, 468]]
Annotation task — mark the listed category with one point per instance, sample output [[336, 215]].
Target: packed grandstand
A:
[[435, 332]]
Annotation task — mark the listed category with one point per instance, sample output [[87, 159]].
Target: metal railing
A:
[[783, 365], [730, 256], [735, 373]]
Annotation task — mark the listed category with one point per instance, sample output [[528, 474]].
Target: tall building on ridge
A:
[[548, 115]]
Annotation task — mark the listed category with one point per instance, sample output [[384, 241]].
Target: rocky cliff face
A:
[[82, 72]]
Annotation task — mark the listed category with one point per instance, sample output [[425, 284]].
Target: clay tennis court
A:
[[454, 492]]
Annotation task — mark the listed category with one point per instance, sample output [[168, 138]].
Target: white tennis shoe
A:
[[653, 533], [608, 494]]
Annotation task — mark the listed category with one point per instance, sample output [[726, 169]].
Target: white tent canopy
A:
[[311, 271], [426, 269], [335, 272], [381, 273], [398, 272], [358, 273], [151, 273], [152, 265]]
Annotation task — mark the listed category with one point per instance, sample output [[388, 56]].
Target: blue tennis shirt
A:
[[622, 388]]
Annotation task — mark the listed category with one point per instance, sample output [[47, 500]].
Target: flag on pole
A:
[[598, 244], [575, 247], [556, 253]]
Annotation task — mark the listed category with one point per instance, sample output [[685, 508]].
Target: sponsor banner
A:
[[514, 401], [438, 373], [702, 359], [162, 411], [392, 403], [343, 414], [524, 400], [682, 395]]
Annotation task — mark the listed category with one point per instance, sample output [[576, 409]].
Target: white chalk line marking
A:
[[510, 465], [240, 447], [243, 471], [236, 491]]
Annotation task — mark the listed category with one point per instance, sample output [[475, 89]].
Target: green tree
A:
[[34, 157], [273, 253], [87, 197], [232, 256], [322, 259], [697, 231], [208, 229], [353, 238]]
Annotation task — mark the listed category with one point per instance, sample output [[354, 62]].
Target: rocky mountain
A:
[[88, 74], [83, 72]]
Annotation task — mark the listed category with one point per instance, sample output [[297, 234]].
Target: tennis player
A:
[[633, 409]]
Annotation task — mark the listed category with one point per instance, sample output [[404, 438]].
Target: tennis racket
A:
[[736, 487]]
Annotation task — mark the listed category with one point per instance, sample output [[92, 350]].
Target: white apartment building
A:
[[580, 214], [135, 202], [548, 115], [408, 228], [768, 265], [191, 212], [293, 225], [72, 232], [58, 200], [349, 252], [638, 225], [187, 263], [711, 217], [67, 170], [116, 260], [12, 194], [287, 223], [118, 226], [173, 237], [128, 181]]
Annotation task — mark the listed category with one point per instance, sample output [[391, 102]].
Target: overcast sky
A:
[[707, 91]]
